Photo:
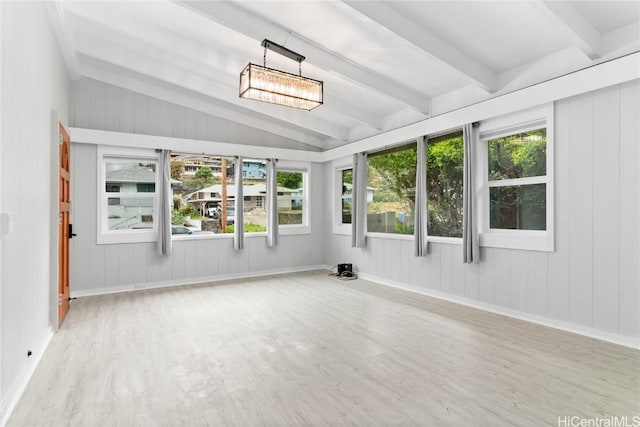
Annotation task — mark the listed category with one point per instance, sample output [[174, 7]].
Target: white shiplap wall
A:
[[34, 83], [101, 106], [104, 268], [592, 280]]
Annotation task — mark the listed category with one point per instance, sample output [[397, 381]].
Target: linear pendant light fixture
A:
[[278, 87]]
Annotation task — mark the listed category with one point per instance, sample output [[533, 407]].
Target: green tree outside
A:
[[204, 173], [445, 157], [392, 174], [291, 180], [177, 169]]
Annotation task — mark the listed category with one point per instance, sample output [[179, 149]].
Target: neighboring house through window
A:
[[198, 197], [128, 203], [292, 179], [290, 197], [254, 175]]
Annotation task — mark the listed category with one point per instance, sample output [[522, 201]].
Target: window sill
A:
[[126, 237], [430, 239], [446, 240], [288, 230], [390, 236], [207, 236], [518, 239], [343, 229]]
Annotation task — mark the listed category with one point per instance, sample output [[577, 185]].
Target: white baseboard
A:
[[17, 388], [193, 281], [623, 340]]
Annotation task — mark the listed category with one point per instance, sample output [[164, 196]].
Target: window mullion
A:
[[518, 181]]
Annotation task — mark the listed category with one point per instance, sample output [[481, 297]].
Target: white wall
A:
[[104, 268], [34, 82], [101, 106], [592, 280]]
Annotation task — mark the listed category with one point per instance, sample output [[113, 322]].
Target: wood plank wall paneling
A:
[[38, 91], [457, 273], [485, 281], [501, 276], [518, 280], [101, 106], [537, 283], [471, 281], [581, 210], [629, 264], [99, 268], [593, 277], [446, 266], [606, 187], [558, 262]]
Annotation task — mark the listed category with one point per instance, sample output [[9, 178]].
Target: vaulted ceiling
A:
[[384, 64]]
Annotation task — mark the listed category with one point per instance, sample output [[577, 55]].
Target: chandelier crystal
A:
[[278, 87]]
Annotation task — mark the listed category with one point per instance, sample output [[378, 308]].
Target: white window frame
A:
[[441, 239], [523, 121], [252, 159], [337, 167], [396, 236], [178, 237], [104, 235], [305, 169]]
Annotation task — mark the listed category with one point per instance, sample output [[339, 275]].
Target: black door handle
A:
[[71, 233]]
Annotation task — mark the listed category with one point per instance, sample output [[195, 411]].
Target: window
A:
[[199, 201], [445, 156], [146, 187], [203, 187], [342, 183], [515, 202], [391, 180], [346, 199], [290, 197], [128, 203], [254, 175], [294, 209], [517, 190]]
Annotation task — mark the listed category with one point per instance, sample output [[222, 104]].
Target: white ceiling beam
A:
[[112, 52], [131, 80], [185, 145], [64, 36], [195, 57], [235, 17], [111, 17], [622, 40], [337, 104], [590, 79], [582, 33], [420, 37]]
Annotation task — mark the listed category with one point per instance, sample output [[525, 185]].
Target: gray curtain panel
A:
[[272, 204], [164, 203], [420, 212], [359, 202], [238, 228], [470, 244]]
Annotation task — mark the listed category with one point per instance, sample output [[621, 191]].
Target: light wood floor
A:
[[305, 349]]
